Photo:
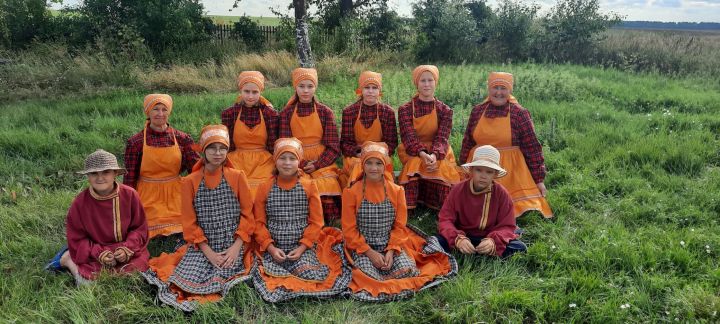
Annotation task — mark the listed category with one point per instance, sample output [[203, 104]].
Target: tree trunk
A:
[[302, 38], [346, 7]]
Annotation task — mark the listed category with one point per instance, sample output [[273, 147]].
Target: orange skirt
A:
[[325, 178], [258, 166], [161, 201], [447, 173]]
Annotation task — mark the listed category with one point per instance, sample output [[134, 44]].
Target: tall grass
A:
[[633, 176]]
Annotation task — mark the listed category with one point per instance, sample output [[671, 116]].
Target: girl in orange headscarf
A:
[[253, 125], [313, 123], [429, 168], [367, 119], [217, 225], [390, 259], [297, 257], [500, 121], [155, 157]]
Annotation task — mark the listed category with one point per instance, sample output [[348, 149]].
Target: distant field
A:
[[262, 21]]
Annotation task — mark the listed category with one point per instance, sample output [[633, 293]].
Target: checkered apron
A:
[[375, 221], [287, 217], [218, 215]]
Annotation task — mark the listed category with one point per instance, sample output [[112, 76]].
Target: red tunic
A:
[[98, 224], [466, 213]]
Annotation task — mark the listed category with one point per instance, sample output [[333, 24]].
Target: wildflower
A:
[[553, 247], [707, 246], [624, 306], [573, 305], [682, 243]]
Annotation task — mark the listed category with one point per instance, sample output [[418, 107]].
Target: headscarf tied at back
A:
[[208, 135], [299, 75], [504, 79], [256, 78], [378, 150]]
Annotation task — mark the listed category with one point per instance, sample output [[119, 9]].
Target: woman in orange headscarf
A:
[[217, 225], [253, 125], [390, 259], [429, 168], [367, 119], [297, 257], [500, 121], [155, 157], [313, 123]]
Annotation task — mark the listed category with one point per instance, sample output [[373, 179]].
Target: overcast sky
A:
[[653, 10]]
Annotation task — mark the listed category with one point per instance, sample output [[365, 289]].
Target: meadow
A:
[[633, 178]]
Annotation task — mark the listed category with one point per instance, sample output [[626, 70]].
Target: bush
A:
[[511, 29], [248, 31], [385, 29], [445, 31], [21, 21]]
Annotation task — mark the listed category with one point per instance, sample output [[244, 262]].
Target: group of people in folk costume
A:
[[263, 188]]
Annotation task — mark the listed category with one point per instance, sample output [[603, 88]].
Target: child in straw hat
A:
[[106, 226], [477, 217]]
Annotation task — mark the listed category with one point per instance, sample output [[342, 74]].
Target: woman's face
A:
[[215, 154], [499, 95], [370, 94], [159, 115], [305, 91], [373, 169], [426, 85], [483, 176], [287, 164], [250, 94], [103, 182]]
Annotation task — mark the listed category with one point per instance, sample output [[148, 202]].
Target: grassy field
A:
[[633, 177], [262, 21]]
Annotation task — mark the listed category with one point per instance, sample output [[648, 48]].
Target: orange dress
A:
[[413, 166], [309, 130], [351, 164], [185, 278], [289, 214], [251, 154], [377, 211], [159, 187], [518, 181]]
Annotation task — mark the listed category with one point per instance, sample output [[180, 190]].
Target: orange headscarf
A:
[[503, 79], [369, 77], [288, 144], [154, 99], [213, 134], [299, 75], [425, 68], [255, 78], [378, 150]]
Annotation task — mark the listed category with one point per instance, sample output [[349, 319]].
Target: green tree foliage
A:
[[249, 32], [571, 29], [385, 29], [511, 29], [445, 31], [21, 21]]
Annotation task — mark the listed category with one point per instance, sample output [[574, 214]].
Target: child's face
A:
[[287, 164], [483, 176], [102, 182], [305, 91], [370, 94], [373, 168], [215, 154], [251, 94]]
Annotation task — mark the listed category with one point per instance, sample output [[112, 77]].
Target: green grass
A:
[[262, 21], [633, 180]]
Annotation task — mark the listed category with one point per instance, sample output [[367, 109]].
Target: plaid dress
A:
[[217, 213], [287, 217]]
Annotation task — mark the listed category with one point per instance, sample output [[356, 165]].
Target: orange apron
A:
[[309, 130], [159, 187], [351, 165], [251, 154], [518, 181], [426, 128]]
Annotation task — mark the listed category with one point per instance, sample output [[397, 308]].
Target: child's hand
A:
[[232, 254], [277, 254], [108, 259], [377, 259], [486, 246], [121, 255], [389, 255], [297, 252], [309, 167], [465, 246], [215, 259]]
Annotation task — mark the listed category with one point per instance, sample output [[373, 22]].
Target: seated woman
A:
[[217, 224], [500, 121], [477, 216], [313, 123], [368, 119], [155, 157], [253, 126], [390, 260], [429, 168], [106, 227], [297, 257]]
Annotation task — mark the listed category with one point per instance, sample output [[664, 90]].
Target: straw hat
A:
[[101, 160], [486, 156]]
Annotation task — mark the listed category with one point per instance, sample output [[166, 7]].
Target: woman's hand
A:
[[309, 167], [541, 187], [297, 252], [389, 255], [277, 254], [232, 254], [377, 259]]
